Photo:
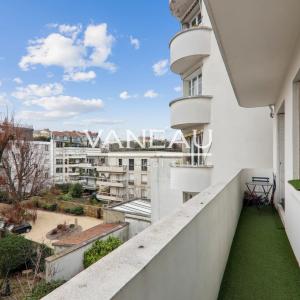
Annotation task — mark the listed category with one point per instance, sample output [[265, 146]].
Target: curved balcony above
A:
[[190, 112], [188, 178], [189, 47]]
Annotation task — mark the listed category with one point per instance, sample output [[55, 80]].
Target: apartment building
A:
[[221, 135], [114, 176], [264, 67], [260, 44]]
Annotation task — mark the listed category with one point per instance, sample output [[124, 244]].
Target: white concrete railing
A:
[[180, 257]]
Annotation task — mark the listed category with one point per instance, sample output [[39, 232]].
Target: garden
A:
[[68, 198], [22, 264]]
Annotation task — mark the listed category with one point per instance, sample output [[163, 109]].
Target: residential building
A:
[[114, 176], [184, 256], [263, 60], [222, 136]]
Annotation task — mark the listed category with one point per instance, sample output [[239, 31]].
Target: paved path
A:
[[47, 221]]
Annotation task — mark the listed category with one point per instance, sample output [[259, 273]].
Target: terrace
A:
[[184, 256]]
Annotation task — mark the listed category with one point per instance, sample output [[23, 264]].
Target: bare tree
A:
[[7, 129], [23, 169]]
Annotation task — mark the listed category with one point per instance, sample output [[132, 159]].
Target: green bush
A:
[[78, 211], [15, 251], [42, 289], [66, 197], [50, 207], [100, 249], [64, 187], [76, 190]]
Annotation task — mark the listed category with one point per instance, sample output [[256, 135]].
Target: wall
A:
[[136, 225], [181, 257], [242, 137], [164, 199], [66, 264], [291, 159]]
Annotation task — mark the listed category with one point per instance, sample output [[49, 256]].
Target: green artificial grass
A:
[[261, 263], [295, 183]]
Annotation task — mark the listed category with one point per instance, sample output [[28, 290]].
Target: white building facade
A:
[[264, 67], [208, 114]]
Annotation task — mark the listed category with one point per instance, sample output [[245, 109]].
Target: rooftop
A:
[[89, 234], [261, 261]]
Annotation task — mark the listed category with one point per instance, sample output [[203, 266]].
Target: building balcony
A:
[[110, 197], [111, 169], [111, 182], [189, 178], [190, 112], [206, 230], [188, 48]]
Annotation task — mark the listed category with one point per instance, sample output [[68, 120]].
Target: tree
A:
[[7, 130], [15, 251], [76, 190], [23, 170]]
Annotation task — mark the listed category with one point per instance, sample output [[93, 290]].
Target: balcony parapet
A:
[[190, 112], [189, 47]]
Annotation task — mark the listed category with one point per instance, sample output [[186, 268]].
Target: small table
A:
[[259, 189]]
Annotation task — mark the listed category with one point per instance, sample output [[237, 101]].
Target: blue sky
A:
[[87, 64]]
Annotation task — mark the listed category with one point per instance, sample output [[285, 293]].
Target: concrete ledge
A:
[[181, 257]]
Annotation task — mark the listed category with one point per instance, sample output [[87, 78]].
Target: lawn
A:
[[261, 264]]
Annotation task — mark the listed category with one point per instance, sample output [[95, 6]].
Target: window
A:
[[59, 161], [195, 86], [196, 151], [46, 147], [144, 194], [120, 162], [131, 164], [59, 144], [131, 193], [144, 164], [144, 179], [59, 170], [131, 179], [196, 21]]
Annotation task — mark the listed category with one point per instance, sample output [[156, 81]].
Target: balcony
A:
[[190, 112], [188, 48], [110, 197], [198, 237], [111, 169], [260, 264], [111, 182], [188, 178]]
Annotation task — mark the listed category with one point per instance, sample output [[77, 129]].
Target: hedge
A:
[[99, 250]]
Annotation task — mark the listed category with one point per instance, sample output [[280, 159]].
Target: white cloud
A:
[[4, 100], [65, 49], [68, 104], [161, 67], [80, 76], [33, 91], [134, 42], [101, 42], [178, 89], [150, 94], [125, 95], [71, 30], [18, 80], [54, 50], [44, 115]]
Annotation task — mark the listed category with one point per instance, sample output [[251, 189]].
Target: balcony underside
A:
[[261, 264], [257, 40]]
